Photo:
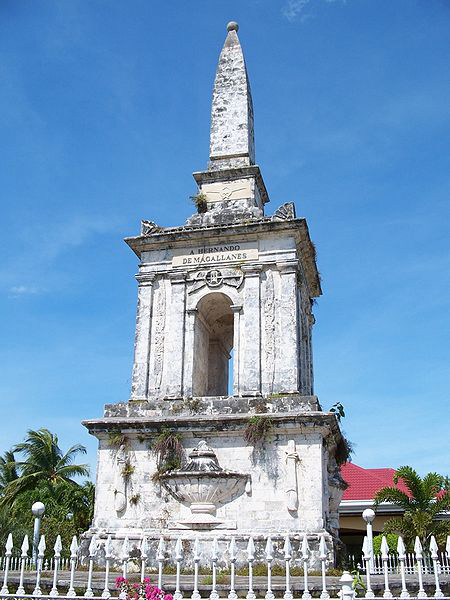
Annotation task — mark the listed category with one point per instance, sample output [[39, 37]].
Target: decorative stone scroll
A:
[[148, 227], [214, 278], [285, 212]]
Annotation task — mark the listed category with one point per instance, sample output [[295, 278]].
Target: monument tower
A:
[[225, 297]]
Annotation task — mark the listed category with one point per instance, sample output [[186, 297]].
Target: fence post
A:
[[73, 562], [92, 550], [250, 558], [305, 555], [214, 558], [8, 547], [160, 559], [324, 595], [346, 581], [178, 558], [195, 593], [106, 593], [434, 556], [288, 557], [367, 555], [368, 516], [233, 556], [57, 549], [419, 558], [401, 559], [143, 548], [23, 564], [269, 558], [40, 559]]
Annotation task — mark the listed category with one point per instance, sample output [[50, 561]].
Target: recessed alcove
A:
[[213, 343]]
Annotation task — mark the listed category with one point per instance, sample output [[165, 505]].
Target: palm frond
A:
[[394, 495]]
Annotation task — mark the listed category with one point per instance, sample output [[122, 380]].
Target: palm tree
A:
[[43, 465], [426, 499], [8, 469]]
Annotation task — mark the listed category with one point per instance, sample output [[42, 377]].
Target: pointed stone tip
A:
[[232, 26]]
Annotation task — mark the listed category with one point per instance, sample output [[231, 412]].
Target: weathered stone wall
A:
[[263, 509], [272, 314]]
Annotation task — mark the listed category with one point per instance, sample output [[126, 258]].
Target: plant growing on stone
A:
[[193, 404], [169, 452], [338, 410], [135, 499], [200, 202], [127, 470], [258, 429], [344, 451], [117, 439]]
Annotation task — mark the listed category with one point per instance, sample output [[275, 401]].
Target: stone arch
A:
[[213, 342]]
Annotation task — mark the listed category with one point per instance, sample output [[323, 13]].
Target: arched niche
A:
[[213, 343]]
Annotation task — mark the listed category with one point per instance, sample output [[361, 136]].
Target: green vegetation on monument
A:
[[428, 497], [169, 452], [258, 429], [37, 470]]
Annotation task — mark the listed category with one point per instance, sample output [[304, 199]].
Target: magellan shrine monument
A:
[[226, 297]]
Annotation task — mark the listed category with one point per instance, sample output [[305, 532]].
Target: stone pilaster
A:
[[174, 342], [287, 380], [139, 382], [236, 348], [188, 370], [250, 333]]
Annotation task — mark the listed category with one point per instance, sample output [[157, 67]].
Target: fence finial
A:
[[305, 547], [251, 549], [287, 548], [384, 548]]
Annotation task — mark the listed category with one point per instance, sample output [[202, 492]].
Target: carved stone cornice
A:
[[251, 270], [177, 277], [288, 266], [145, 279]]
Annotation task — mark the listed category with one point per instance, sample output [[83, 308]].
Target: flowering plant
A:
[[140, 591]]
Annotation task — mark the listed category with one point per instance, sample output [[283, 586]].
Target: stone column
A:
[[287, 372], [174, 342], [188, 371], [139, 381], [250, 334], [236, 348]]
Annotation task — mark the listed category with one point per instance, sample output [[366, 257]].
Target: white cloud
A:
[[23, 290], [293, 9], [296, 9]]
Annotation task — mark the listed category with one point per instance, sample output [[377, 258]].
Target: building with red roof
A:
[[363, 484]]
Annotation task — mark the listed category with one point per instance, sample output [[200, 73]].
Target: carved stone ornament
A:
[[120, 484], [204, 485], [285, 212], [148, 227], [214, 278]]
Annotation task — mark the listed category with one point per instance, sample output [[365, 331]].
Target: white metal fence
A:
[[18, 582], [393, 563]]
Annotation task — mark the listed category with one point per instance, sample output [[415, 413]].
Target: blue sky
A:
[[104, 115]]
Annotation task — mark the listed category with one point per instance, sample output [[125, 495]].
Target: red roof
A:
[[363, 484]]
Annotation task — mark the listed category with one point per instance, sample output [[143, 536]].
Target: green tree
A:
[[427, 498], [8, 469], [43, 464]]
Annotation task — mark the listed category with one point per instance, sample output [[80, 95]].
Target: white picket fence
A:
[[79, 579], [410, 563]]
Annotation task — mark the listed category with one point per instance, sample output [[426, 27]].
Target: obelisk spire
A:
[[232, 137]]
